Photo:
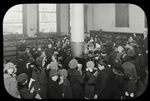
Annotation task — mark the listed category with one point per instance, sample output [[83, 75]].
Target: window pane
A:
[[16, 8], [12, 28], [47, 27], [122, 15], [47, 7], [13, 17], [47, 17]]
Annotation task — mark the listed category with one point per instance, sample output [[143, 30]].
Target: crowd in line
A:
[[117, 72]]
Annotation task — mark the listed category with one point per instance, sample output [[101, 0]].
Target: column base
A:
[[76, 48]]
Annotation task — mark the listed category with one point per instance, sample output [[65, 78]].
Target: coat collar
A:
[[117, 72]]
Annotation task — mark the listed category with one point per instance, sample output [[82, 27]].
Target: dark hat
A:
[[103, 62], [22, 78], [21, 56], [38, 61], [130, 52], [90, 64], [73, 63], [127, 65], [53, 73], [63, 72]]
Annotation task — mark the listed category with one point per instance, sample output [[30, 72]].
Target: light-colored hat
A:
[[73, 64], [9, 65], [90, 64], [120, 49], [53, 65], [63, 72]]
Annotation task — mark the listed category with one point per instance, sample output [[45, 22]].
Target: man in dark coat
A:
[[49, 52], [103, 82], [76, 80], [112, 56]]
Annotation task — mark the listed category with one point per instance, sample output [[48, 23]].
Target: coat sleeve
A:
[[35, 77], [100, 84], [91, 80], [69, 90], [26, 95], [79, 79]]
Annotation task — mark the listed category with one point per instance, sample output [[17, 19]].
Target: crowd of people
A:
[[117, 72]]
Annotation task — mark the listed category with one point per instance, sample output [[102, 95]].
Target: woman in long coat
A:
[[76, 80], [130, 71], [10, 81]]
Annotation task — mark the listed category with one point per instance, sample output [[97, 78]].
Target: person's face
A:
[[54, 78], [39, 49], [10, 71]]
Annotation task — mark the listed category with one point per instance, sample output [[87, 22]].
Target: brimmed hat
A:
[[90, 64], [53, 65], [127, 65], [128, 46], [53, 73], [73, 64], [130, 52], [22, 78], [63, 72], [8, 66], [103, 62]]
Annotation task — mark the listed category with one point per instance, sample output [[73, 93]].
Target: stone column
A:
[[77, 34]]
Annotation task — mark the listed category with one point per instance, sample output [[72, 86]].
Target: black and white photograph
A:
[[75, 51]]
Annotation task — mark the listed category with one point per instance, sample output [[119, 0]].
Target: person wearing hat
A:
[[112, 56], [65, 85], [40, 78], [21, 65], [10, 81], [89, 77], [76, 80], [22, 80], [22, 45], [49, 52], [130, 71], [103, 82], [54, 89]]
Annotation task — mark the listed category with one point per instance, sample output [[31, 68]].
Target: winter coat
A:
[[141, 72], [23, 47], [54, 90], [76, 82], [89, 84], [66, 88], [103, 84], [117, 84], [66, 62], [49, 52], [10, 84], [40, 83], [25, 94], [130, 71], [21, 67]]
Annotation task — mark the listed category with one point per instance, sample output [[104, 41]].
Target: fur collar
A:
[[117, 72]]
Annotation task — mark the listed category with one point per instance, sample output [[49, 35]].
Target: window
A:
[[47, 18], [12, 21], [122, 15]]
